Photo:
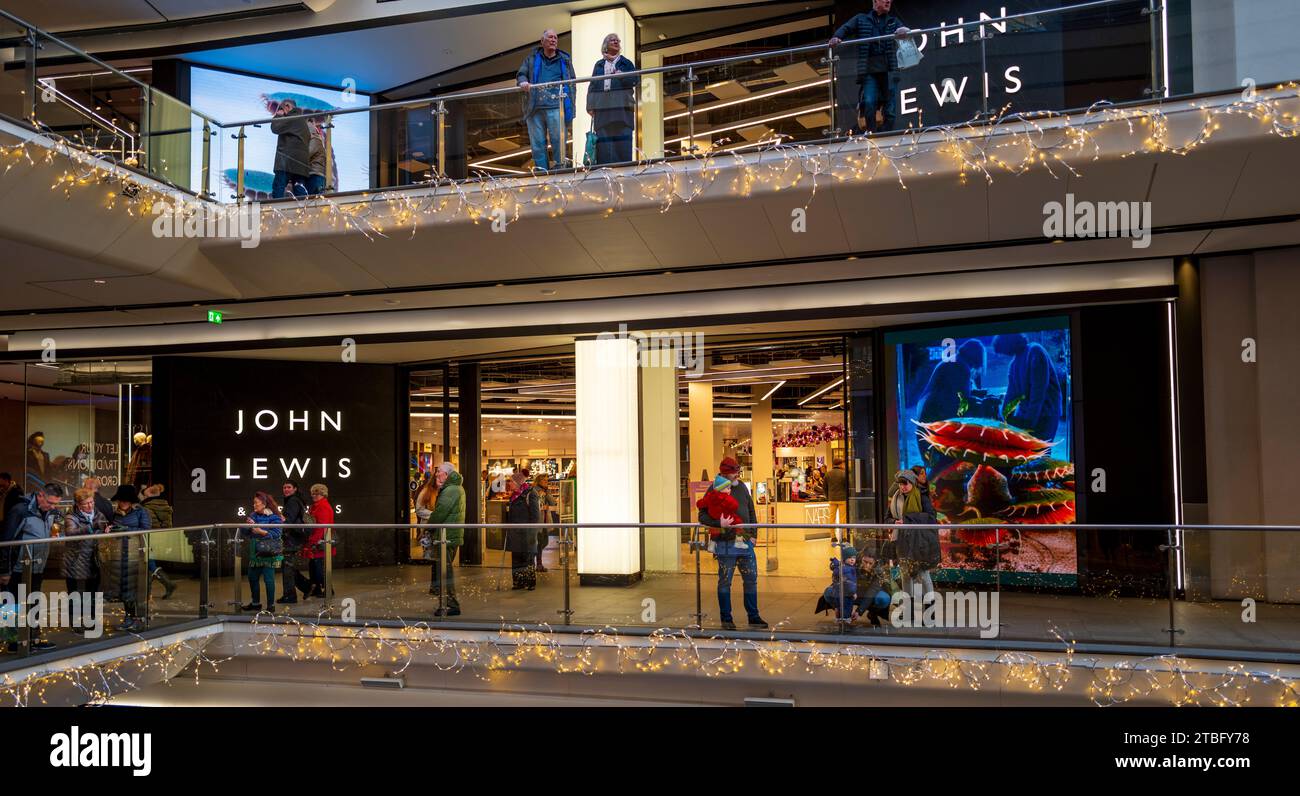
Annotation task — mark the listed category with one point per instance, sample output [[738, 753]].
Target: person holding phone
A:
[[292, 151]]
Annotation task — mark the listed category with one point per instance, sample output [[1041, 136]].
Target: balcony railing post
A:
[[441, 114], [565, 542], [205, 575], [329, 154], [697, 544], [1155, 12], [146, 146], [239, 165], [329, 566], [146, 576], [25, 635], [690, 110], [205, 179], [831, 60], [1171, 557], [442, 571], [29, 77], [238, 571]]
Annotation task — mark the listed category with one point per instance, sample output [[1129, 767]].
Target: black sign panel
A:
[[1040, 62], [236, 427]]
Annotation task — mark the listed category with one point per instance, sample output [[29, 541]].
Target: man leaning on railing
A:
[[877, 63], [545, 114]]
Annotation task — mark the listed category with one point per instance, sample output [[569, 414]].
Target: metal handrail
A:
[[852, 526], [806, 48]]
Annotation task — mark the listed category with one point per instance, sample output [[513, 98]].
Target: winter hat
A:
[[721, 482], [126, 493], [848, 551], [906, 475], [729, 466]]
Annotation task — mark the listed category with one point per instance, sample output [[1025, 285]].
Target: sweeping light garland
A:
[[1009, 143], [344, 647]]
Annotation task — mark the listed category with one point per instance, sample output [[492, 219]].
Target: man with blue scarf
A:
[[548, 110]]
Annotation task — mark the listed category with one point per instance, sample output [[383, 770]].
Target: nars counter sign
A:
[[233, 428]]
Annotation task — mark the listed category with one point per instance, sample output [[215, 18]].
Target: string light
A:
[[1009, 143]]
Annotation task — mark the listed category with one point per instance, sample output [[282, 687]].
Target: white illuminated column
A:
[[587, 31], [609, 472]]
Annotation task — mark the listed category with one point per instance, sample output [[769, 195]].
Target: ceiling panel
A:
[[739, 230]]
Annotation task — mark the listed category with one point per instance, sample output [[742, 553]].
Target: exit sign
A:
[[215, 316]]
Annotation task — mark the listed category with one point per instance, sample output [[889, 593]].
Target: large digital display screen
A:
[[986, 411], [230, 97]]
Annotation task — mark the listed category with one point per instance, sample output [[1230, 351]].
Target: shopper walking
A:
[[313, 551], [877, 62], [265, 551], [294, 511], [524, 508], [120, 558], [612, 104], [734, 549], [448, 508], [292, 151], [917, 548], [160, 516], [546, 113], [542, 486]]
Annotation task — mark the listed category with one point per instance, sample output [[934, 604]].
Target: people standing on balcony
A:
[[547, 110], [120, 560], [32, 519], [877, 62], [80, 558], [448, 508], [265, 550], [160, 516], [524, 508], [314, 551], [917, 548], [292, 151], [612, 104], [294, 510], [317, 181], [734, 549]]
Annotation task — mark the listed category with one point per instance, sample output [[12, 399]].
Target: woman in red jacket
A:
[[314, 550]]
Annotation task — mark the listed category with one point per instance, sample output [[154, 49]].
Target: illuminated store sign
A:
[[237, 427]]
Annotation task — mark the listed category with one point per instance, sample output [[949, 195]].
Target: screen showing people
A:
[[229, 97], [983, 414]]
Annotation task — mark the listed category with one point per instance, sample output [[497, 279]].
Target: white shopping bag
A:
[[909, 55]]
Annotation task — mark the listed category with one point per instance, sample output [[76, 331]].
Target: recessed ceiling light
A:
[[101, 281], [548, 292], [392, 302]]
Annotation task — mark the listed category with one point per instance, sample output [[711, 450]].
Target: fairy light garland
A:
[[344, 647], [1009, 143]]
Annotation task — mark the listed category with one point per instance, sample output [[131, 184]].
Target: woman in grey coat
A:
[[81, 558], [292, 150]]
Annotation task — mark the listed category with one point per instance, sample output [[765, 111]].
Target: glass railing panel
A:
[[1234, 44], [1240, 599]]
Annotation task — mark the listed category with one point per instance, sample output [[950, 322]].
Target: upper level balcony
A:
[[748, 156]]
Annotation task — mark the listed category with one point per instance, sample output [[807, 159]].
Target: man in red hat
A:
[[734, 549]]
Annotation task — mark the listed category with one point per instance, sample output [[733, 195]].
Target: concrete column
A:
[[659, 465], [700, 396], [587, 31], [609, 480], [761, 434]]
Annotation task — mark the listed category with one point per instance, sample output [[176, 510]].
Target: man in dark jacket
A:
[[294, 511], [735, 550], [30, 519], [292, 151], [877, 61], [448, 508], [547, 111]]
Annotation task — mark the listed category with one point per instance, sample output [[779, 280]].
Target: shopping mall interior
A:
[[833, 306]]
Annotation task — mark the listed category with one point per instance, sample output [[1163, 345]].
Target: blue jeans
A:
[[547, 124], [880, 92], [266, 574], [316, 184], [280, 185], [728, 562]]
